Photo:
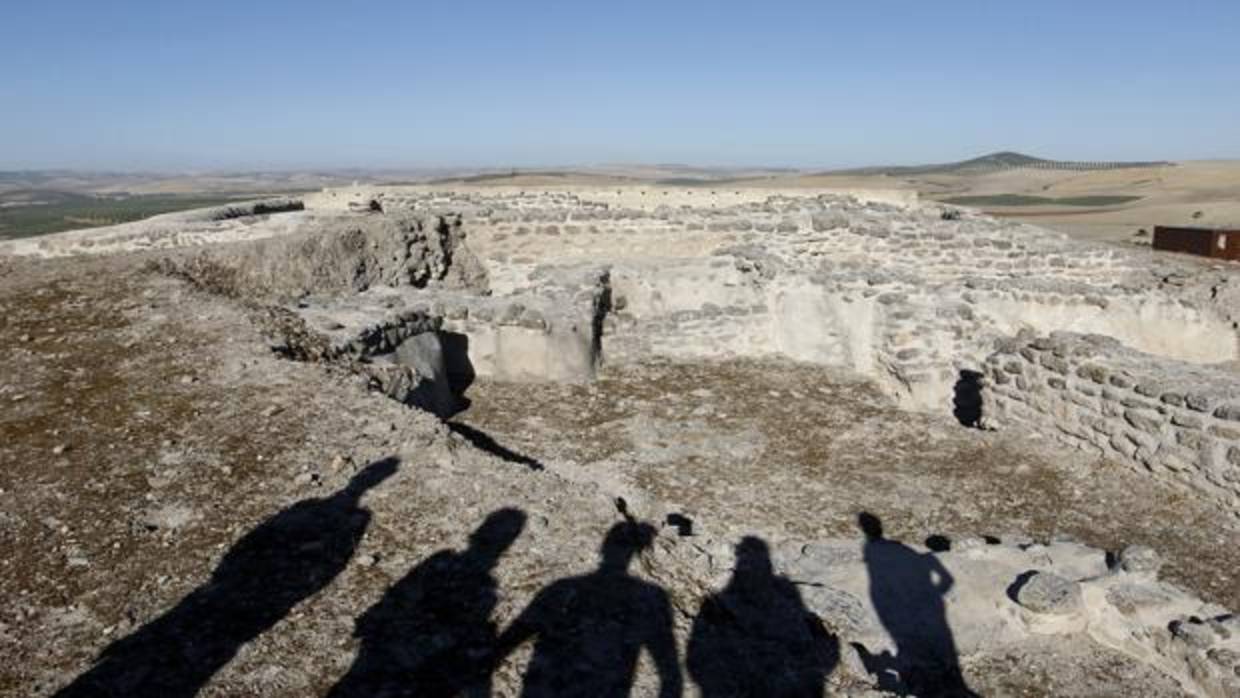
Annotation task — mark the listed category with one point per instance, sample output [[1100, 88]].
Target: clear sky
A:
[[400, 83]]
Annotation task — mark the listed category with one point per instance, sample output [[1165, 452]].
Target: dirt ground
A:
[[796, 451], [181, 508]]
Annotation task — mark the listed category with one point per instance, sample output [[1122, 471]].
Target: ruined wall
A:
[[900, 295], [1176, 420], [552, 335], [347, 255], [638, 196], [1154, 324]]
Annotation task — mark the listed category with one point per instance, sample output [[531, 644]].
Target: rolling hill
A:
[[994, 162]]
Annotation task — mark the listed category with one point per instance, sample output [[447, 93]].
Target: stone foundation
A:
[[1176, 420]]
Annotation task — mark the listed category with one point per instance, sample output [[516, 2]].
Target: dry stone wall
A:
[[890, 288], [896, 293], [1177, 420]]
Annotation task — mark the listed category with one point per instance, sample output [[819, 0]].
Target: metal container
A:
[[1206, 242]]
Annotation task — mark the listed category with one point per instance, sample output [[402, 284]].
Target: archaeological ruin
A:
[[986, 458]]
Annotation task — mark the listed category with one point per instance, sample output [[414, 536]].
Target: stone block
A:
[[1225, 432], [1174, 399], [1140, 559], [1229, 411], [1092, 372], [1055, 363], [1144, 420], [1050, 594], [1198, 402], [1123, 445], [1186, 420], [1191, 439], [1137, 404]]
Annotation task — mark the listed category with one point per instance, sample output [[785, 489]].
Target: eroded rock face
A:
[[347, 255]]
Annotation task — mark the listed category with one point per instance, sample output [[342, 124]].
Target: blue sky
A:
[[271, 84]]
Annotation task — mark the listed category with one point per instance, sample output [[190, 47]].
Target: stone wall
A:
[[900, 295], [1176, 420], [552, 335]]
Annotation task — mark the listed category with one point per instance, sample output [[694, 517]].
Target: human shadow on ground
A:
[[589, 630], [431, 634], [283, 561], [757, 638], [907, 589]]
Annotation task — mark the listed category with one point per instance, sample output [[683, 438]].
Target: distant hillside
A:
[[995, 162]]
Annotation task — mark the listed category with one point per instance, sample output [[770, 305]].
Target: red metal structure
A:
[[1207, 242]]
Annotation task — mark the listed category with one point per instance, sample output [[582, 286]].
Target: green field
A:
[[1025, 200], [58, 211]]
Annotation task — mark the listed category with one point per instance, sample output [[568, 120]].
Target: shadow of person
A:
[[907, 589], [431, 634], [590, 629], [281, 562], [757, 638]]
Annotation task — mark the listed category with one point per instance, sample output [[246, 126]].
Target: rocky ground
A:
[[185, 509], [793, 451], [174, 492]]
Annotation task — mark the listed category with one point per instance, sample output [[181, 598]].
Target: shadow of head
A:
[[623, 542], [497, 533], [370, 476], [870, 525], [753, 556]]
